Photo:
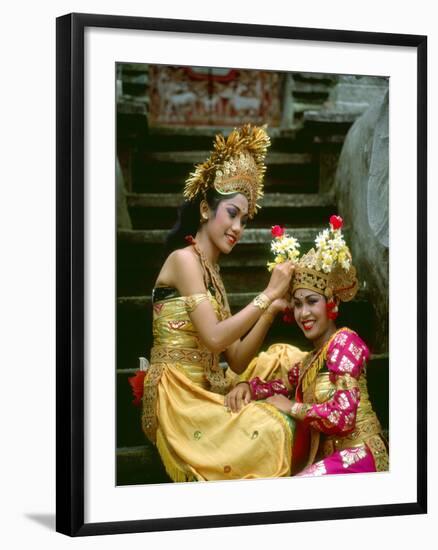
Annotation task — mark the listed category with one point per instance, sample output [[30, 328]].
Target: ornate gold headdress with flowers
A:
[[235, 166], [326, 269]]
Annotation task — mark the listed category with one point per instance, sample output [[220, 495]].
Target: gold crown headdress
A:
[[235, 166], [326, 269]]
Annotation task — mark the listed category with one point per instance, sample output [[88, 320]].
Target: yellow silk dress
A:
[[184, 415]]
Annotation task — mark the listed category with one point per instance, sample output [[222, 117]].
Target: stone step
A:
[[235, 299], [297, 179], [315, 78], [134, 68], [134, 107], [137, 78], [306, 87], [134, 325], [155, 169], [195, 157], [330, 116], [270, 200], [139, 465], [138, 460], [210, 131], [293, 140], [250, 236], [152, 210]]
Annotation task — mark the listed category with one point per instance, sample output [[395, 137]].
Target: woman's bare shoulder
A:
[[181, 270], [182, 253]]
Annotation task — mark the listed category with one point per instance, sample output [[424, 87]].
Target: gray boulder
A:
[[361, 187]]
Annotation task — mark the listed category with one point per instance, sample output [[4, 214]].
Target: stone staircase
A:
[[300, 169]]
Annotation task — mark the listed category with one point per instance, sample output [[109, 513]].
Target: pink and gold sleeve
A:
[[262, 390], [345, 360]]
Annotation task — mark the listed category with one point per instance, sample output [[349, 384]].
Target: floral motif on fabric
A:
[[355, 351], [341, 338], [379, 452], [336, 416], [293, 375], [176, 325], [334, 356], [317, 469], [343, 401], [347, 354], [149, 418], [352, 455], [263, 390], [346, 364], [158, 308]]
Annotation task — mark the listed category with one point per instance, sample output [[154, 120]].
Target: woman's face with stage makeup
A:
[[225, 226], [310, 313]]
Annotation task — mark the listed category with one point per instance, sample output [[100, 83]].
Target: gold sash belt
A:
[[164, 354], [369, 428]]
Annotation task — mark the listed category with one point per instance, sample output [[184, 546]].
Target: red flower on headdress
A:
[[336, 222], [136, 383], [288, 316], [277, 230]]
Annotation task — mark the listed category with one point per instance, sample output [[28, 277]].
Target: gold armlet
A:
[[193, 301]]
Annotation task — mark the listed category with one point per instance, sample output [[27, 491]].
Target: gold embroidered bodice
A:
[[172, 325], [176, 341]]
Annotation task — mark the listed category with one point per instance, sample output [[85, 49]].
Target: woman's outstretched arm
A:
[[184, 272]]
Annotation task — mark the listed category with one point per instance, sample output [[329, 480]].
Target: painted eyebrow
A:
[[305, 297], [239, 209]]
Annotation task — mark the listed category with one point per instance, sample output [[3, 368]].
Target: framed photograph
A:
[[140, 102]]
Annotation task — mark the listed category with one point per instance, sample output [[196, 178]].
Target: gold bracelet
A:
[[262, 302], [297, 411]]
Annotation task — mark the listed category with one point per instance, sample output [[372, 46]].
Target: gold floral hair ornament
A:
[[327, 268], [235, 166]]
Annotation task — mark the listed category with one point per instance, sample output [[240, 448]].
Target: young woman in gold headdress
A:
[[337, 429], [198, 438]]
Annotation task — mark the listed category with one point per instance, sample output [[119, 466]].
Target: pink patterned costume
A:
[[339, 432]]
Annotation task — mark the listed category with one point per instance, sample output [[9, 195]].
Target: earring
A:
[[288, 316], [332, 309], [204, 218]]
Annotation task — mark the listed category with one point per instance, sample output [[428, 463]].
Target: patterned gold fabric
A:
[[367, 429], [184, 413]]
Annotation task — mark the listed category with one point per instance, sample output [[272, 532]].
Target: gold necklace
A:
[[211, 276], [316, 362]]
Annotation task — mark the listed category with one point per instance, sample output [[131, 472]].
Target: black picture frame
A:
[[70, 272]]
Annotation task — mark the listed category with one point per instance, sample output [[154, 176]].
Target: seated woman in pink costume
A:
[[337, 430]]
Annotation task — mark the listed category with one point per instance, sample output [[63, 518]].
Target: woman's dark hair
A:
[[189, 219]]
